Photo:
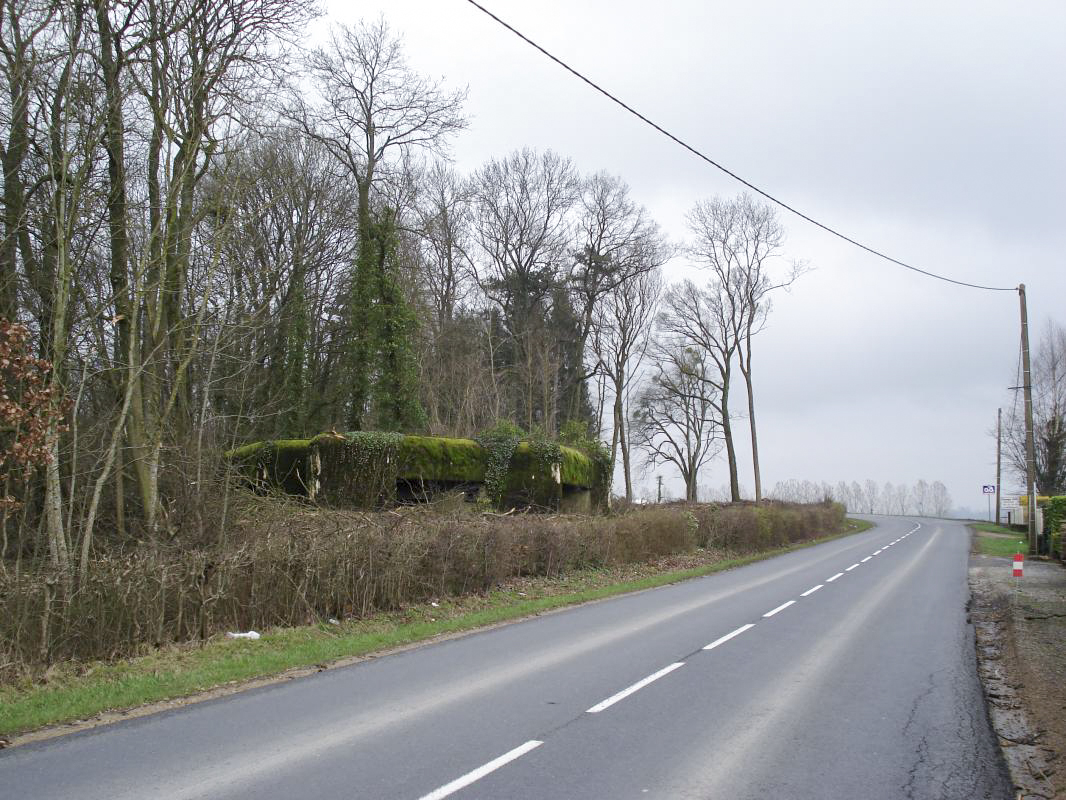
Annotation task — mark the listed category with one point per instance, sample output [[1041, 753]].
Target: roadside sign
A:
[[988, 489], [1009, 502]]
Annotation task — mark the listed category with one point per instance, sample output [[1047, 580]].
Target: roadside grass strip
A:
[[997, 546], [636, 687], [82, 691], [479, 773]]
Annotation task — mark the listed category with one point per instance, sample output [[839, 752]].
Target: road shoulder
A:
[[1020, 626]]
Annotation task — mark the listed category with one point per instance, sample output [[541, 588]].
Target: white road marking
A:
[[830, 580], [865, 559], [481, 772], [849, 569], [781, 607], [812, 590], [877, 552], [728, 636], [636, 687]]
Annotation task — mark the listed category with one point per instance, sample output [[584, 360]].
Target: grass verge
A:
[[1002, 542], [79, 691]]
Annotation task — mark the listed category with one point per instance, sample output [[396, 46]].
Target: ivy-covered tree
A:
[[395, 389]]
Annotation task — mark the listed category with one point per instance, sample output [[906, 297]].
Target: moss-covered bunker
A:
[[370, 469]]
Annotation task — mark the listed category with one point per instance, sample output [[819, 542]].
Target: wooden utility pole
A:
[[1030, 446], [999, 462]]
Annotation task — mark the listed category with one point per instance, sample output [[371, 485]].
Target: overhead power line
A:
[[729, 172]]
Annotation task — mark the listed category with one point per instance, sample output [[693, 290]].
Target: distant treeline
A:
[[922, 498]]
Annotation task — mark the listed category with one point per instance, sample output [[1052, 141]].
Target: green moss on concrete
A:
[[278, 464], [355, 470], [436, 458], [578, 469], [532, 480], [361, 469]]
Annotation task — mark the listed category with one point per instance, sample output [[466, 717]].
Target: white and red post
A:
[[1019, 565]]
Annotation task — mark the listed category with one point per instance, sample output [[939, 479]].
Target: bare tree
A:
[[1048, 377], [887, 492], [738, 239], [872, 495], [617, 242], [939, 499], [674, 418], [621, 333], [701, 319], [920, 497], [523, 229]]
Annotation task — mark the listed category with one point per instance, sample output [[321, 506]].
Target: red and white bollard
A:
[[1019, 565]]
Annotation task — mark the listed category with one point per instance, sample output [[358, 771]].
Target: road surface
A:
[[844, 670]]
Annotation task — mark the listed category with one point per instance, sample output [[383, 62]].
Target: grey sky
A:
[[931, 130]]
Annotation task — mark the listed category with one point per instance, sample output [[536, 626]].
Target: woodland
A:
[[214, 234]]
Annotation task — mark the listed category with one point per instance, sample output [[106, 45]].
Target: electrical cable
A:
[[728, 172]]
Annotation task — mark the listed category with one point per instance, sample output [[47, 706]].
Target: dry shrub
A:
[[284, 564], [748, 528]]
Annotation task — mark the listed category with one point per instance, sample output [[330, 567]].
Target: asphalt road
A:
[[844, 670]]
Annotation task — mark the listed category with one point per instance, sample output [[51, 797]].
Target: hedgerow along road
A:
[[843, 670]]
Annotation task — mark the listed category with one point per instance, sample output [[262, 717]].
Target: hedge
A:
[[1054, 517]]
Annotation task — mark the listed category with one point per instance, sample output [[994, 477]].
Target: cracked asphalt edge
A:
[[1028, 762]]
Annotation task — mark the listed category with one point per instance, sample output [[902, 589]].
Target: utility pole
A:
[[1030, 447], [999, 447], [660, 498]]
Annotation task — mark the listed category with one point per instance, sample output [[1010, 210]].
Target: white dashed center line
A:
[[781, 607], [636, 687], [481, 772], [728, 636], [518, 752]]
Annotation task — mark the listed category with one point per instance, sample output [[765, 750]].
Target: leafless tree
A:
[[523, 229], [621, 334], [700, 318], [939, 499], [374, 105], [919, 499], [444, 219], [872, 496], [1048, 375], [739, 239], [616, 242], [674, 419]]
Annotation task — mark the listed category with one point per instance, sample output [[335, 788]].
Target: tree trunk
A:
[[730, 451], [745, 369]]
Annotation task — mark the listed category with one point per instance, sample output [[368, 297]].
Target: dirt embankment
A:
[[1021, 648]]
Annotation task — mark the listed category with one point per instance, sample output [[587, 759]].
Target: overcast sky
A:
[[934, 131]]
